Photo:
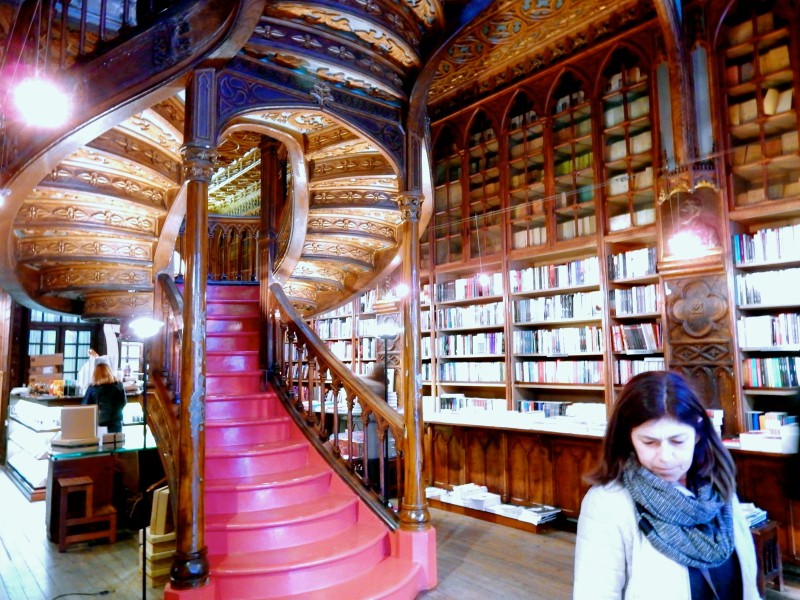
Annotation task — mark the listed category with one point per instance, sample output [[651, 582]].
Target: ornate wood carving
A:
[[700, 340]]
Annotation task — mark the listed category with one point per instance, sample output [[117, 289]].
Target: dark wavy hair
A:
[[657, 394]]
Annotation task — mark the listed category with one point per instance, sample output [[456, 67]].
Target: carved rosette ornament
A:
[[198, 163], [699, 309]]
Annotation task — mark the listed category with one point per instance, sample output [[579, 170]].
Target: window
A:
[[130, 355], [50, 333]]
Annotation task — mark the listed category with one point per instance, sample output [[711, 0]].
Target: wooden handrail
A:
[[303, 363]]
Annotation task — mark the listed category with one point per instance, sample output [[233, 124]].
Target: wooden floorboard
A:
[[477, 560]]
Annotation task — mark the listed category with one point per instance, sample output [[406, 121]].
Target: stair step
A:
[[227, 361], [241, 382], [252, 460], [271, 489], [281, 527], [233, 341], [232, 291], [392, 579], [231, 308], [300, 569], [263, 405], [235, 432], [227, 324]]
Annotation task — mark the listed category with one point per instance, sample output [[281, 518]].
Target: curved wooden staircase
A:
[[279, 522]]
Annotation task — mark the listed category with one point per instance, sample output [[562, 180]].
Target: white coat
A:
[[615, 561]]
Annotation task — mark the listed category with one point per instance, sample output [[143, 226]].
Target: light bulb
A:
[[686, 244], [41, 103]]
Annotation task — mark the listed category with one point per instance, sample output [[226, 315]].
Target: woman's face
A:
[[665, 447]]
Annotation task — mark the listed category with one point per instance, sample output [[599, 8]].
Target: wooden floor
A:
[[477, 560]]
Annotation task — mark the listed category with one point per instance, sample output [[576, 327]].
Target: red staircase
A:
[[279, 522]]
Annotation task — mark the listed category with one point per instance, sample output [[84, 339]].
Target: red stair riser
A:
[[282, 535], [216, 363], [248, 499], [231, 343], [247, 407], [218, 325], [219, 436], [244, 383], [302, 579], [232, 292], [227, 466], [247, 309]]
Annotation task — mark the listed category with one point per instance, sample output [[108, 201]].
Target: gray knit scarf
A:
[[693, 531]]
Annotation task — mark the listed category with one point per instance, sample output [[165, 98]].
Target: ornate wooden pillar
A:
[[413, 512], [267, 244], [190, 568]]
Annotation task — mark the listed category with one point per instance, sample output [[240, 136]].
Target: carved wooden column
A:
[[413, 512], [267, 245], [190, 568]]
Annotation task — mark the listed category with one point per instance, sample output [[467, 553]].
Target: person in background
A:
[[109, 396], [662, 520]]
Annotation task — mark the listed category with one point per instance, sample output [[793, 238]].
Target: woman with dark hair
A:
[[107, 392], [662, 520]]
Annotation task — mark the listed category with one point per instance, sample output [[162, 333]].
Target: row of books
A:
[[478, 343], [566, 340], [461, 402], [772, 372], [634, 263], [769, 331], [479, 315], [582, 226], [615, 115], [489, 372], [545, 277], [476, 286], [768, 287], [580, 305], [635, 300], [767, 245], [636, 337], [625, 369], [559, 371], [548, 408], [625, 220], [756, 420], [335, 328]]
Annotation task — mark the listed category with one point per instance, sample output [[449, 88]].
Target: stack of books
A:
[[754, 514]]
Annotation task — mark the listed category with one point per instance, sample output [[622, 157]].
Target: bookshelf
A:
[[557, 335], [469, 340], [573, 161], [768, 319], [635, 302], [526, 184], [627, 145], [759, 89]]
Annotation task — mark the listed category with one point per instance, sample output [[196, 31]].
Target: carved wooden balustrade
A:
[[303, 368], [232, 248], [164, 402]]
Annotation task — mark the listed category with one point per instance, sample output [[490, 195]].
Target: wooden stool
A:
[[81, 525], [768, 554]]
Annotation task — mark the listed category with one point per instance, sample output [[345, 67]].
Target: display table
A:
[[101, 464]]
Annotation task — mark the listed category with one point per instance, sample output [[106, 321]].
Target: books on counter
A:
[[754, 514]]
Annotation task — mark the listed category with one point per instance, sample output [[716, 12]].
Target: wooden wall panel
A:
[[485, 463], [572, 458], [530, 469]]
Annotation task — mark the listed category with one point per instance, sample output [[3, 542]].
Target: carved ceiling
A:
[[86, 235]]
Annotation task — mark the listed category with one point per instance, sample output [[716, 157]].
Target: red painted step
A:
[[235, 432], [272, 489], [243, 360], [232, 341], [281, 527], [229, 324], [261, 405], [249, 460], [231, 308], [300, 569], [232, 292], [245, 382]]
